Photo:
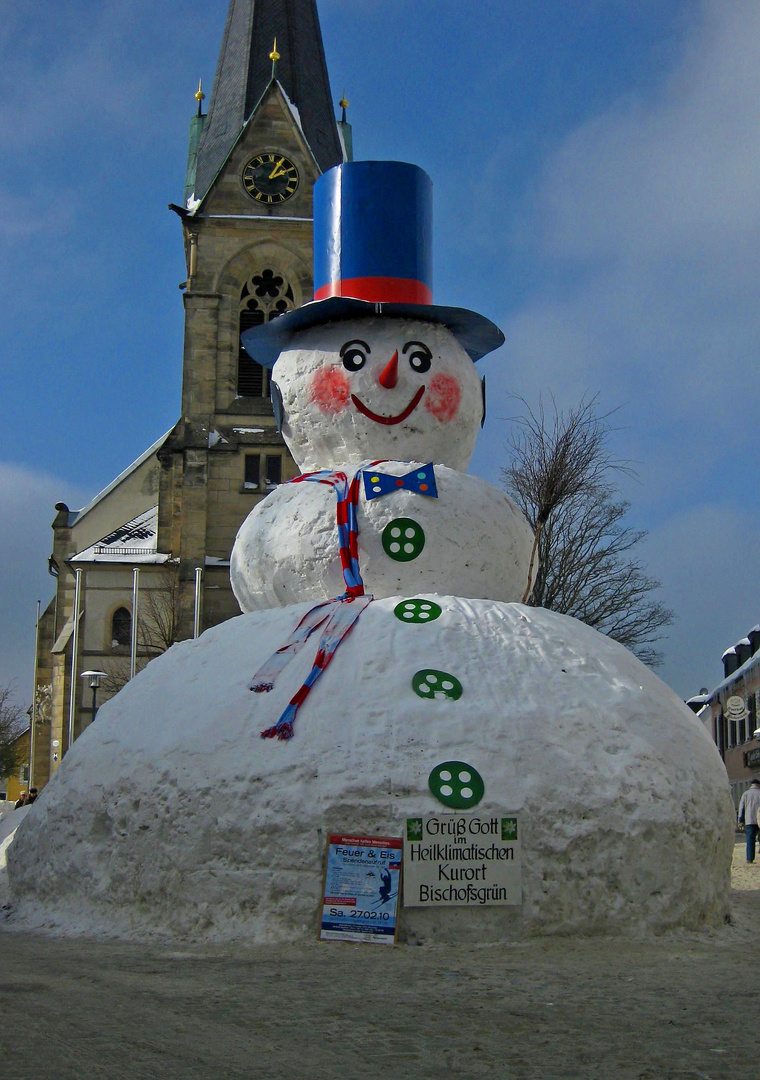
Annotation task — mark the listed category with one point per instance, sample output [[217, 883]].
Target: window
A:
[[752, 717], [121, 628], [265, 295], [252, 474], [731, 733], [274, 471]]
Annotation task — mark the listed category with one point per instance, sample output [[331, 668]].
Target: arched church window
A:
[[265, 295], [121, 627]]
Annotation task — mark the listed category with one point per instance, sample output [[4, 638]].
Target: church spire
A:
[[245, 69]]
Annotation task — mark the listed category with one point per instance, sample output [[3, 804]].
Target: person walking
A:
[[749, 816]]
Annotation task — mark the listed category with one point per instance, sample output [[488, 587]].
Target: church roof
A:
[[244, 71], [134, 542], [76, 517]]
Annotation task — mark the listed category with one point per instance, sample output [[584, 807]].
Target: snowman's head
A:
[[378, 387]]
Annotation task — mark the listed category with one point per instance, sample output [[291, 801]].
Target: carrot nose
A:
[[389, 375]]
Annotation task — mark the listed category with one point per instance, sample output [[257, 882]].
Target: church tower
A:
[[170, 518], [269, 133]]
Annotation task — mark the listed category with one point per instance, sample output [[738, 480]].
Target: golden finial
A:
[[343, 103], [274, 56], [199, 96]]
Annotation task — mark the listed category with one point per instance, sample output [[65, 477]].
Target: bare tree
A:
[[165, 615], [562, 475], [12, 724]]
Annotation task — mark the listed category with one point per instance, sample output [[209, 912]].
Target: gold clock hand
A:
[[278, 170]]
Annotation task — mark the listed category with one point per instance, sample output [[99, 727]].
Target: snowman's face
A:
[[378, 388]]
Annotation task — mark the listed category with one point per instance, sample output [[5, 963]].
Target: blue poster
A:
[[361, 894]]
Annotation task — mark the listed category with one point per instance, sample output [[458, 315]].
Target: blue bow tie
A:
[[421, 480]]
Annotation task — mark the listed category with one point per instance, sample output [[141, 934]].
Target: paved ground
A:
[[681, 1007]]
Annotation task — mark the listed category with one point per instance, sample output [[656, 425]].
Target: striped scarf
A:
[[336, 616]]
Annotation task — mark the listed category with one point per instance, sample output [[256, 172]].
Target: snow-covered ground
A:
[[670, 1007]]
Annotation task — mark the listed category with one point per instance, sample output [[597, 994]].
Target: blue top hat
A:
[[372, 255]]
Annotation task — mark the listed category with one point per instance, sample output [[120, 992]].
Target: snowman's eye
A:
[[354, 354], [419, 355]]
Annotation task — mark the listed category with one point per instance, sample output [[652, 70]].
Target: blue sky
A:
[[597, 193]]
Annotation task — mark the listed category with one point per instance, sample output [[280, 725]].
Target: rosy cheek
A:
[[329, 390], [443, 396]]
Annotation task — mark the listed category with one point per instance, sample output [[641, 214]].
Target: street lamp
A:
[[95, 677]]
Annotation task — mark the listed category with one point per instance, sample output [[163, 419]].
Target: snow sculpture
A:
[[382, 638], [381, 388]]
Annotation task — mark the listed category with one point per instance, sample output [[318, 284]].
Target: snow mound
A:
[[171, 816]]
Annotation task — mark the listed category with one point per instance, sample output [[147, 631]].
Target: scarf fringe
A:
[[279, 731]]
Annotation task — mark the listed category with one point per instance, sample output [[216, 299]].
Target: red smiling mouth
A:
[[389, 419]]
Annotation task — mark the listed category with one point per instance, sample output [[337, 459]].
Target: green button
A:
[[456, 784], [403, 539], [430, 684], [417, 611]]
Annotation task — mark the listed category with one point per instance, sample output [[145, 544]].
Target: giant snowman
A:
[[382, 639]]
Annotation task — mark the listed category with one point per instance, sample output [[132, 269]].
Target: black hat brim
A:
[[475, 333]]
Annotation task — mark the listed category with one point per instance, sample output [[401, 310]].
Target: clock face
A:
[[270, 178]]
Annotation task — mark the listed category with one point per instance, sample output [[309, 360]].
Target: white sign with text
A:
[[462, 859]]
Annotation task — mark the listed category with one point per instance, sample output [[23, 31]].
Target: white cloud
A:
[[27, 501], [678, 173], [644, 234], [647, 221]]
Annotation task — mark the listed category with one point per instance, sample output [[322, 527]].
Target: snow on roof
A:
[[294, 111], [76, 517], [343, 144], [729, 652], [63, 638], [135, 541], [741, 672]]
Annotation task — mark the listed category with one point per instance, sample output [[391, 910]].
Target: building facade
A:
[[160, 536], [730, 713]]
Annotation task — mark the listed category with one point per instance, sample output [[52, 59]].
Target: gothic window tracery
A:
[[265, 295]]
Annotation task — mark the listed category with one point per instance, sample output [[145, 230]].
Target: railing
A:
[[100, 549]]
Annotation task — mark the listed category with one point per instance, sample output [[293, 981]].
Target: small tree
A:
[[562, 475], [165, 613], [164, 617], [12, 724]]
